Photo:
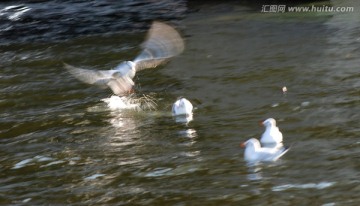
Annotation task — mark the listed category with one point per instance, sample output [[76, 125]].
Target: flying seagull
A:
[[162, 43]]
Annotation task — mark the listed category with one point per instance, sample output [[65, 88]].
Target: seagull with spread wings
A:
[[162, 43]]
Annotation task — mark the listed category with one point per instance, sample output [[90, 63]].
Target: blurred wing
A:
[[163, 42], [105, 78], [90, 76]]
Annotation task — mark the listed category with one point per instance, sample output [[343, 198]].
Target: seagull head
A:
[[251, 143], [131, 64], [270, 122], [126, 68]]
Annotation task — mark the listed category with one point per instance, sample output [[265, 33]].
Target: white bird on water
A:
[[255, 153], [182, 106], [162, 43], [272, 137], [182, 110]]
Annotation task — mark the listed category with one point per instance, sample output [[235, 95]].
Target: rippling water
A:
[[61, 144]]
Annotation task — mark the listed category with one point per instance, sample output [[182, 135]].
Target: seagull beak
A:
[[261, 123], [243, 144]]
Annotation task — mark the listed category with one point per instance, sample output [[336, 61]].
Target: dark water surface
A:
[[61, 145]]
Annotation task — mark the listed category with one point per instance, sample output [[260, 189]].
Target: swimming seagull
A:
[[272, 137], [255, 153], [182, 110], [182, 106], [162, 43]]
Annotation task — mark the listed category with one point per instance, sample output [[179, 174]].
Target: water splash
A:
[[131, 102]]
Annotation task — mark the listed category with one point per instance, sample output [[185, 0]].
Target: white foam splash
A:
[[319, 186], [119, 103], [130, 103]]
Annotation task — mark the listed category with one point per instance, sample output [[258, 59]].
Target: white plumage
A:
[[163, 42], [182, 106], [272, 137], [255, 153]]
